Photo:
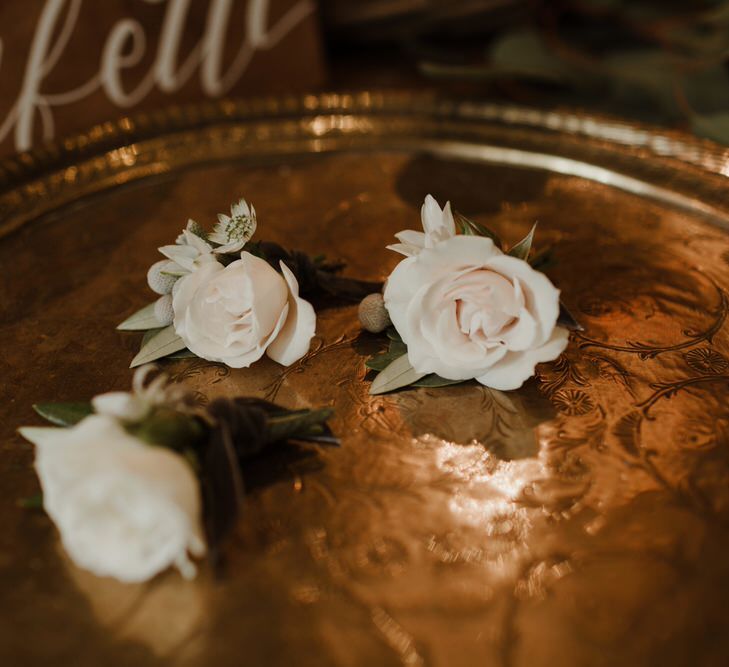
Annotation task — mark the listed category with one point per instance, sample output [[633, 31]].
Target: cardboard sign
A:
[[68, 64]]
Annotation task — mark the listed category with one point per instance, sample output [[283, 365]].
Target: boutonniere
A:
[[130, 479], [227, 298], [462, 307]]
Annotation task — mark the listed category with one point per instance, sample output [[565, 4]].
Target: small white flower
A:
[[124, 509], [189, 251], [234, 231], [235, 314], [194, 227], [134, 406], [438, 225]]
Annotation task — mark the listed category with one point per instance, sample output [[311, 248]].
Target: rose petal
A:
[[517, 367], [438, 224], [124, 509], [269, 292], [412, 242], [435, 343], [541, 296], [294, 339], [120, 404]]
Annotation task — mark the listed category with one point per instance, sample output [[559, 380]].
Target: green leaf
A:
[[712, 126], [392, 334], [64, 414], [183, 354], [524, 54], [522, 249], [381, 361], [566, 320], [434, 380], [472, 228], [542, 259], [161, 344], [299, 424], [398, 374], [169, 428], [141, 320], [32, 502]]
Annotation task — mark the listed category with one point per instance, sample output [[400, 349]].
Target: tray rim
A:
[[24, 177]]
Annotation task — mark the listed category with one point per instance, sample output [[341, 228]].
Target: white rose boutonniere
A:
[[464, 309], [130, 479], [226, 298], [124, 509], [234, 314]]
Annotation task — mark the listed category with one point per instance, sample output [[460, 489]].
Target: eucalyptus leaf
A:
[[522, 249], [64, 414], [141, 320], [162, 344], [398, 374]]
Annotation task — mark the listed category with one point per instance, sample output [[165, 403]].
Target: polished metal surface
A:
[[582, 520]]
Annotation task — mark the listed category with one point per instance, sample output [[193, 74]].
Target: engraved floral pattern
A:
[[706, 360], [573, 402]]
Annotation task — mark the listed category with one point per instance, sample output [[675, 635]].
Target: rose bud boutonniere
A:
[[462, 308], [138, 482], [226, 298]]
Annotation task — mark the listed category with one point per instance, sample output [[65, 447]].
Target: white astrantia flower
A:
[[466, 310], [189, 251], [234, 231], [438, 225], [134, 406], [124, 509], [234, 314]]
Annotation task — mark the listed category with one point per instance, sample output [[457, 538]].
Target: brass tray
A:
[[582, 520]]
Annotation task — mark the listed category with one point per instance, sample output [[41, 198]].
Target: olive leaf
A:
[[163, 343], [434, 381], [182, 354], [64, 414], [522, 249], [398, 374], [142, 320]]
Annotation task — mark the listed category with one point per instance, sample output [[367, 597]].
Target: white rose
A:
[[234, 314], [438, 225], [466, 310], [124, 509]]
